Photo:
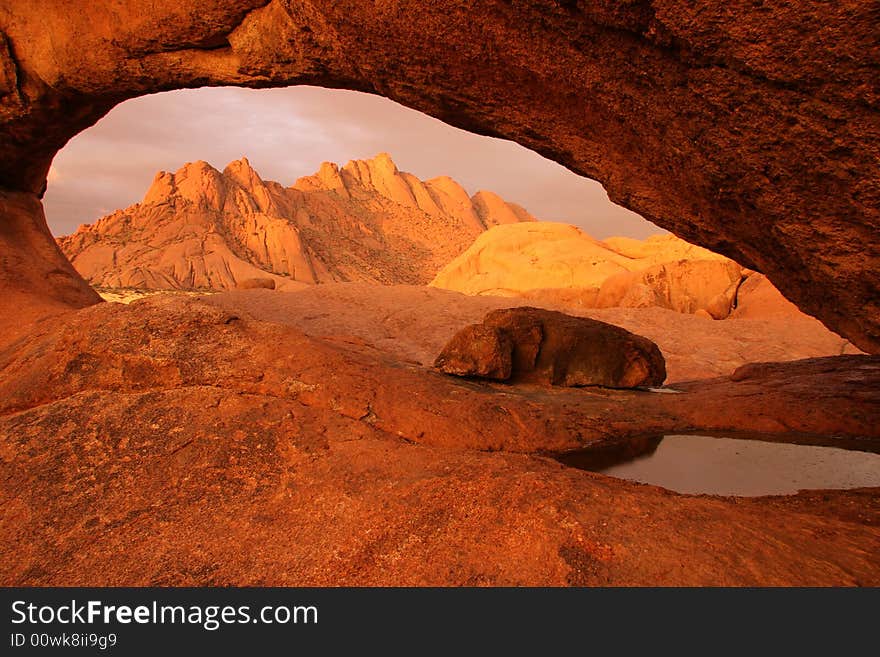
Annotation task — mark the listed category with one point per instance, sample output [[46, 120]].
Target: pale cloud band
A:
[[287, 133]]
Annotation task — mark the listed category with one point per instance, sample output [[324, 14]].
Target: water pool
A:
[[727, 465]]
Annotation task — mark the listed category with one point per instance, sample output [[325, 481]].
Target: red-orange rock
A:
[[36, 280], [181, 442], [758, 299], [561, 262], [528, 259], [412, 324], [256, 284], [174, 442], [684, 286], [751, 131]]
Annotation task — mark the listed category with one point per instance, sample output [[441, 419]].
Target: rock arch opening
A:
[[764, 156], [287, 133], [202, 226]]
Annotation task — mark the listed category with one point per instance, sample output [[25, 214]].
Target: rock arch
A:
[[752, 130]]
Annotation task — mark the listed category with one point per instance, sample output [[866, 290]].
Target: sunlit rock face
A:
[[753, 132], [35, 277], [200, 228], [552, 260]]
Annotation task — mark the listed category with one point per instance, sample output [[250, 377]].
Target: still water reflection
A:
[[722, 465]]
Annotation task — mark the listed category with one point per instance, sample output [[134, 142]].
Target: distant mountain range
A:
[[203, 229], [200, 228]]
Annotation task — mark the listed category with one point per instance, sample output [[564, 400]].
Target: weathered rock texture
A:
[[535, 345], [200, 228], [176, 442], [412, 324], [173, 441], [687, 286], [749, 128], [35, 278], [478, 350], [256, 284], [756, 298]]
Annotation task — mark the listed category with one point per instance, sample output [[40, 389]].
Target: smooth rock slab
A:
[[172, 442]]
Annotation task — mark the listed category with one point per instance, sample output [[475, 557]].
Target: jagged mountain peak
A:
[[364, 221]]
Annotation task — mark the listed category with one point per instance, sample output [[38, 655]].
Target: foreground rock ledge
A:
[[250, 454], [752, 132], [168, 342]]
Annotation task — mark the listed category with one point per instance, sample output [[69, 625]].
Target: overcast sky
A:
[[287, 133]]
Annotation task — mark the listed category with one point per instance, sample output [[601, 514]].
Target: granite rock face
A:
[[751, 129], [685, 286], [35, 278], [179, 441], [546, 259], [201, 228], [538, 257]]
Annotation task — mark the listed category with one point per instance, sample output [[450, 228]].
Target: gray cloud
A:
[[287, 133]]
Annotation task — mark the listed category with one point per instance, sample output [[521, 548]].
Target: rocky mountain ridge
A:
[[367, 221]]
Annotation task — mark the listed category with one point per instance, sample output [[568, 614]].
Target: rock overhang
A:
[[766, 150]]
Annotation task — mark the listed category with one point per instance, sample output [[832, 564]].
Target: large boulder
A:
[[543, 346], [478, 350]]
